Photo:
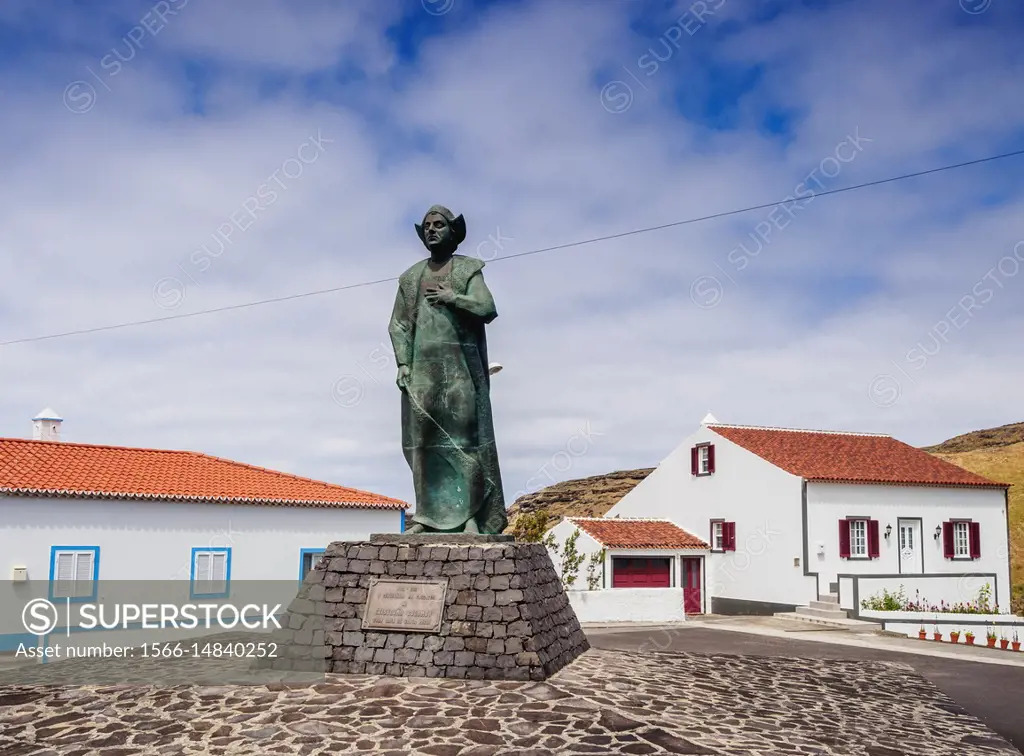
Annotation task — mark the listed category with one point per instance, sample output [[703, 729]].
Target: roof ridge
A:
[[799, 430], [624, 519]]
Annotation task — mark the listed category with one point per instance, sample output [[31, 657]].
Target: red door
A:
[[628, 572], [691, 586]]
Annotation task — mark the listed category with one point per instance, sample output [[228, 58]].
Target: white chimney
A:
[[709, 419], [46, 425]]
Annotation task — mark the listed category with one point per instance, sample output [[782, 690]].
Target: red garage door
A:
[[641, 573]]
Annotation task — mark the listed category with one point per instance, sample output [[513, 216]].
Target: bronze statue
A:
[[437, 331]]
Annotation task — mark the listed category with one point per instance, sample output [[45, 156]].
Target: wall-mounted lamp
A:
[[938, 531], [888, 531]]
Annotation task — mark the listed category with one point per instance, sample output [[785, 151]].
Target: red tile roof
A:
[[57, 468], [622, 533], [849, 457]]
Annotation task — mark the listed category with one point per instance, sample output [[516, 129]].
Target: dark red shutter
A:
[[844, 539], [730, 536], [711, 458], [947, 540], [975, 540], [873, 551], [693, 461]]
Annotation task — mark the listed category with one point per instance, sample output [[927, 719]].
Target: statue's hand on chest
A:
[[439, 292]]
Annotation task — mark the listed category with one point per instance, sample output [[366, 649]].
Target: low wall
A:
[[909, 623], [953, 589], [628, 605]]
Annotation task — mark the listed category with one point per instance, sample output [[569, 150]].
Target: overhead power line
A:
[[569, 245]]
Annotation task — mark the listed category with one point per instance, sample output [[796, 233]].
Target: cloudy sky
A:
[[168, 158]]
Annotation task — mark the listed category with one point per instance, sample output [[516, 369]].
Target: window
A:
[[307, 561], [73, 572], [702, 459], [723, 535], [211, 572], [858, 538], [961, 539]]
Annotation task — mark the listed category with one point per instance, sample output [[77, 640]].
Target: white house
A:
[[636, 554], [797, 515], [74, 514]]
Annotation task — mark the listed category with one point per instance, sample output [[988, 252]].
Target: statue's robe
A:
[[447, 428]]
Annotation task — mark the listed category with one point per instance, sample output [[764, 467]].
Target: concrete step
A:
[[822, 613], [828, 606], [845, 623], [831, 598]]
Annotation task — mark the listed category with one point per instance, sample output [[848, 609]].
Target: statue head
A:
[[441, 231]]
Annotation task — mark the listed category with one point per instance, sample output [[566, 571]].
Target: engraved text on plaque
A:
[[409, 605]]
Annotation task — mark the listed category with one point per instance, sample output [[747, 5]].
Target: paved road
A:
[[992, 693]]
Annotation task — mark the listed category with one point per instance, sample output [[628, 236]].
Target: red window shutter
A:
[[693, 461], [975, 540], [873, 551], [947, 540], [730, 536], [844, 539], [711, 458]]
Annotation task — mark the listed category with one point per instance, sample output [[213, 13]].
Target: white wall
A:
[[585, 545], [761, 499], [153, 540], [828, 503], [1003, 625], [628, 605]]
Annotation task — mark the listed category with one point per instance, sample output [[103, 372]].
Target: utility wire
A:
[[556, 247]]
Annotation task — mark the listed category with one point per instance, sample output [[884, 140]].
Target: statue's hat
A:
[[457, 224]]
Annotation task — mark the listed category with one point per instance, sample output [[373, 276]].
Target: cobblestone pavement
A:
[[605, 702]]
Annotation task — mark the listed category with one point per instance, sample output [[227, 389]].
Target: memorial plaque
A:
[[407, 605]]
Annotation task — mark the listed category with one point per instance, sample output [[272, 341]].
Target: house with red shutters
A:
[[797, 516]]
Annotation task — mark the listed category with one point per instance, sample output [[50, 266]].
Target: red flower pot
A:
[[969, 639], [1003, 643], [936, 636], [922, 634], [954, 637], [1015, 645], [991, 642]]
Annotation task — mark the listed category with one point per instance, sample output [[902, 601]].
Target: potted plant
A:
[[922, 633], [1003, 641], [1015, 643], [954, 636], [936, 635], [990, 635], [969, 637]]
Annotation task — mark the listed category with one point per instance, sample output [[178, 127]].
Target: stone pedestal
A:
[[490, 608]]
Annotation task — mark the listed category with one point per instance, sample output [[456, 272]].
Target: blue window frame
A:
[[401, 515], [210, 575], [74, 572], [308, 559]]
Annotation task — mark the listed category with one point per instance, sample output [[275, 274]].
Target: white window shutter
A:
[[65, 566], [219, 568], [202, 566], [83, 566]]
